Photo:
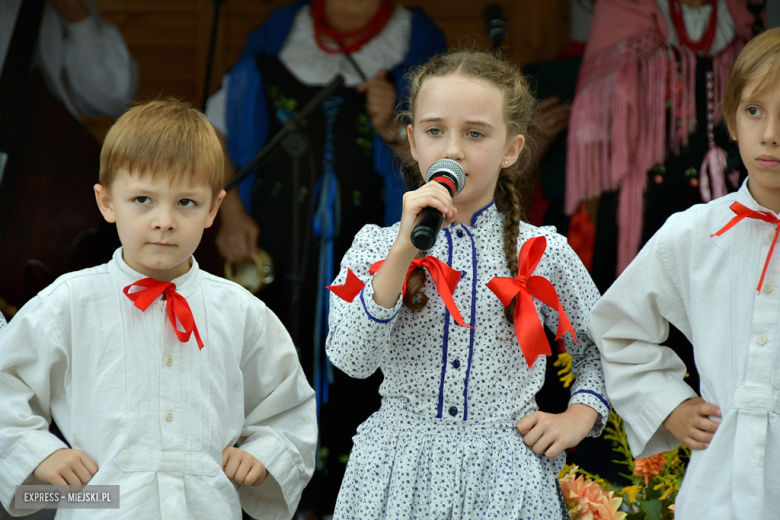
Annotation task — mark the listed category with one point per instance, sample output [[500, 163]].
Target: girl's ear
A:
[[410, 136], [104, 202], [513, 150]]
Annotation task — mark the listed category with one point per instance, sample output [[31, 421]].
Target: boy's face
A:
[[757, 131], [160, 225]]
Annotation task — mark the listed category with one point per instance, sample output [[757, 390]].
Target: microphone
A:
[[495, 24], [449, 174]]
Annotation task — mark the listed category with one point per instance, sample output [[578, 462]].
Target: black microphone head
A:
[[450, 169], [495, 23]]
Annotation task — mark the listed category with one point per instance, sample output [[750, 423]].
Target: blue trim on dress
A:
[[473, 320], [440, 407], [601, 397], [476, 215], [388, 320]]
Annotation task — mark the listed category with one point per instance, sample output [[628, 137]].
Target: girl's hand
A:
[[551, 433], [66, 468], [432, 195], [243, 467], [690, 423]]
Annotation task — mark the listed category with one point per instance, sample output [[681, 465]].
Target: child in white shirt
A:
[[710, 271], [162, 378]]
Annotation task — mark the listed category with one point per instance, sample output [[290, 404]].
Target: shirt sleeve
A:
[[280, 429], [644, 379], [99, 73], [360, 330], [578, 294], [33, 362]]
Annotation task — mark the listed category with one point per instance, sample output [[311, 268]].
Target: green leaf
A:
[[636, 516], [652, 509]]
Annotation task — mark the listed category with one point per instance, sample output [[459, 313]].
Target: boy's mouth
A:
[[163, 244], [767, 161]]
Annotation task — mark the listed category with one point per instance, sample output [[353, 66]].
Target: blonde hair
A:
[[762, 53], [165, 138], [514, 182]]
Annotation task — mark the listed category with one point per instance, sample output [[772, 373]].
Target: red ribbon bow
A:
[[446, 279], [177, 305], [743, 213], [530, 333]]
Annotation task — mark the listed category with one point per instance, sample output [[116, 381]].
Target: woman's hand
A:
[[238, 233], [550, 434], [690, 423], [243, 467], [66, 468], [380, 98]]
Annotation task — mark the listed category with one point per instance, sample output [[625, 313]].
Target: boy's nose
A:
[[772, 132], [164, 221]]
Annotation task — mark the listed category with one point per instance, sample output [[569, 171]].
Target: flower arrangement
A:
[[655, 482]]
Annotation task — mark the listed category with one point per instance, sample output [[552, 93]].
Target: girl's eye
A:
[[434, 131], [187, 203], [754, 111], [142, 200], [474, 134]]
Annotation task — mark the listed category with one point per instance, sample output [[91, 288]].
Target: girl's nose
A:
[[454, 149]]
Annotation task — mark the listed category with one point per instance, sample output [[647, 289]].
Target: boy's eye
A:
[[142, 200], [474, 134], [187, 203], [434, 131], [754, 111]]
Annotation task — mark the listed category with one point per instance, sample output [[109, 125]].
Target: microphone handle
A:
[[427, 228]]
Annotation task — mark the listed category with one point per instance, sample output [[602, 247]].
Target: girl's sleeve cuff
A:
[[374, 311], [596, 401]]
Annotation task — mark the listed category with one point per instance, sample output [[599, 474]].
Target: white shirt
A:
[[697, 20], [312, 66], [86, 65], [153, 413], [706, 287]]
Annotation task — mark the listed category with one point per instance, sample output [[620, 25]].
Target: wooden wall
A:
[[170, 38]]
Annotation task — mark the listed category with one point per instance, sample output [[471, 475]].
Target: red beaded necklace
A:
[[359, 37], [678, 19]]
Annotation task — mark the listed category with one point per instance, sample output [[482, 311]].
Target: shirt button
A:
[[169, 416], [453, 411], [459, 233], [762, 340], [169, 361], [768, 288], [456, 363]]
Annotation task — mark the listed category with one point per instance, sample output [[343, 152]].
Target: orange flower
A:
[[649, 467], [585, 500]]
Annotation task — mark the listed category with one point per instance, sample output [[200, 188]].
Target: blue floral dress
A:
[[444, 442]]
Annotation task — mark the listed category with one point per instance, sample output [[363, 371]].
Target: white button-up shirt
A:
[[154, 413], [707, 287]]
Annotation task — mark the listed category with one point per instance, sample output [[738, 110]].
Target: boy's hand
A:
[[66, 467], [243, 467], [551, 433], [689, 422]]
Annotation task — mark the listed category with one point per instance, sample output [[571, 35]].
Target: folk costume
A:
[[711, 272], [152, 411], [458, 375]]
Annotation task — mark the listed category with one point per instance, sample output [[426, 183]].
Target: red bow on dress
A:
[[742, 213], [529, 330], [446, 279], [177, 305]]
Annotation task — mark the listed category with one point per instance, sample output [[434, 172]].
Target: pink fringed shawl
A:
[[618, 128]]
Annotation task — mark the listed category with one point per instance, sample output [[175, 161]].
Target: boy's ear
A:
[[215, 207], [104, 202]]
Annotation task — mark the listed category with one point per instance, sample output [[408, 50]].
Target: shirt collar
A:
[[745, 198], [185, 284], [484, 215]]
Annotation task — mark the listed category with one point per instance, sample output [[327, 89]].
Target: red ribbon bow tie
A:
[[529, 330], [446, 279], [177, 305], [743, 213]]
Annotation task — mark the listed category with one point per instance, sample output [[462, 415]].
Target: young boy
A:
[[141, 403], [712, 271]]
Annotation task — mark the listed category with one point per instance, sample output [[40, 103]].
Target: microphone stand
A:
[[295, 145]]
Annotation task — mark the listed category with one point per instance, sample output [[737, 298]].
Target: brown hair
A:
[[762, 53], [514, 182], [164, 138]]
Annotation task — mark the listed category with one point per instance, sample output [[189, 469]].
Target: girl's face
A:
[[757, 131], [460, 118]]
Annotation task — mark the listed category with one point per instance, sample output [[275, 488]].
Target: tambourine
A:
[[252, 275]]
